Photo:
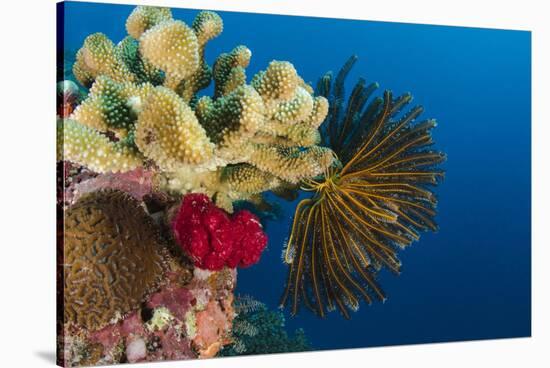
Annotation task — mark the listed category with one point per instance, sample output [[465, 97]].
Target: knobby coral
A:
[[113, 258], [213, 239], [364, 209], [143, 109]]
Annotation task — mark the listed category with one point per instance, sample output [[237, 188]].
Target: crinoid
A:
[[373, 202]]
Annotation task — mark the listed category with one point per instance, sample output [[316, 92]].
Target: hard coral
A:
[[213, 239], [78, 143], [144, 109], [182, 320], [113, 258]]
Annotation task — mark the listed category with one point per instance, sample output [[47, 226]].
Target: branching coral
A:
[[375, 201], [80, 143], [143, 18], [266, 130], [168, 132], [113, 258], [171, 46], [98, 56]]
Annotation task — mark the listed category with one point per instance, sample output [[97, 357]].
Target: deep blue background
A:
[[471, 280]]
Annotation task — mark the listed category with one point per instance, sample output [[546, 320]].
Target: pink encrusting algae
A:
[[189, 317]]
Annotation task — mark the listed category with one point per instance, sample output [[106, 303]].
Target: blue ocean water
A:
[[471, 280]]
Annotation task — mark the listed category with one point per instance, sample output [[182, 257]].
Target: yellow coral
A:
[[143, 18], [128, 52], [244, 140], [229, 71], [246, 180], [99, 57], [278, 82], [231, 120], [300, 134], [168, 132], [235, 78], [108, 107], [207, 25], [82, 73], [294, 110], [318, 112], [291, 164], [172, 47], [86, 146]]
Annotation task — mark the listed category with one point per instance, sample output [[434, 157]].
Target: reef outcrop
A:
[[189, 317]]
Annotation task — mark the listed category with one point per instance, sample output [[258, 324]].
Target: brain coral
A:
[[113, 258]]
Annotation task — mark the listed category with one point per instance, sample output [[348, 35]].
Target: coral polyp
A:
[[363, 210]]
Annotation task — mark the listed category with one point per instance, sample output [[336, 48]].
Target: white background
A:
[[27, 179]]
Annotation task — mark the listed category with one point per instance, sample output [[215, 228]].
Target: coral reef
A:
[[366, 208], [189, 317], [158, 185], [143, 110], [257, 330], [112, 258], [213, 239]]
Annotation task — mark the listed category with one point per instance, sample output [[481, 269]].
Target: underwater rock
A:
[[209, 322], [113, 258], [213, 292], [68, 177], [213, 239], [185, 319], [136, 350], [138, 183]]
